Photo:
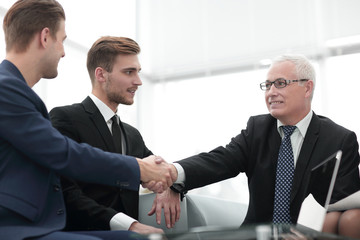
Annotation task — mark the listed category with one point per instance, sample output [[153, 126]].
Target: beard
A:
[[116, 96]]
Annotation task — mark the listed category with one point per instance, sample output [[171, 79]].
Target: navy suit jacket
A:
[[255, 152], [91, 206], [32, 156]]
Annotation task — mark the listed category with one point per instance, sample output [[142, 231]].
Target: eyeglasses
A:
[[279, 83]]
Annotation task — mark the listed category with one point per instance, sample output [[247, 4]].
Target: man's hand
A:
[[294, 235], [157, 186], [170, 202], [156, 174], [144, 229]]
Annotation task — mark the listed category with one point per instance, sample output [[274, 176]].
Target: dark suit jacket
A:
[[91, 206], [255, 152], [32, 156]]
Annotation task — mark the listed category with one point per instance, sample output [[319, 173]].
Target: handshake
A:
[[156, 174]]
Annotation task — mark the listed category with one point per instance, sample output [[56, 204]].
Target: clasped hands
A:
[[156, 174]]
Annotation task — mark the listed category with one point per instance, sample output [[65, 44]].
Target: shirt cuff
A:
[[181, 173], [120, 221]]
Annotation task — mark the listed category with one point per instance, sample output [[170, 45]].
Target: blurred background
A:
[[202, 62]]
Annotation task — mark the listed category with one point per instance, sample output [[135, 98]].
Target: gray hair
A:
[[303, 67]]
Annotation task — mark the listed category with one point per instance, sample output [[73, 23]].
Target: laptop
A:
[[313, 211]]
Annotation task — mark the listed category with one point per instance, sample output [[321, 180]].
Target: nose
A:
[[137, 80], [271, 89]]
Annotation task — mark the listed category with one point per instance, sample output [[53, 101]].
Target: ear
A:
[[100, 75], [309, 87], [44, 37]]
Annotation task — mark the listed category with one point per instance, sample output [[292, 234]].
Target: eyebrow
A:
[[64, 38], [131, 69], [267, 80]]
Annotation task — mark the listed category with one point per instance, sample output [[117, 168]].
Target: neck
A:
[[294, 120], [102, 97], [26, 66]]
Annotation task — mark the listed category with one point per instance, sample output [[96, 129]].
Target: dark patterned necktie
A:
[[284, 177], [116, 133]]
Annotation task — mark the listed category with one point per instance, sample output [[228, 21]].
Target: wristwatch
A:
[[179, 188]]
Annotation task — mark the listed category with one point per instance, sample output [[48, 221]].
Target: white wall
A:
[[187, 37]]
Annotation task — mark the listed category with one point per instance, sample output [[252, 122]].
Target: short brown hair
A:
[[105, 50], [28, 17]]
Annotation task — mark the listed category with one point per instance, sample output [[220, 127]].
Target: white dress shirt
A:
[[297, 138], [119, 221]]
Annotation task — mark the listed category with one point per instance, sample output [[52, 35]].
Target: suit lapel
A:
[[99, 122], [274, 149], [307, 148]]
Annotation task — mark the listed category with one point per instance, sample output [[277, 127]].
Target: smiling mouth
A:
[[277, 102], [132, 91]]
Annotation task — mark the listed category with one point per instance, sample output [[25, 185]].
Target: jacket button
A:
[[60, 211], [56, 188], [122, 184]]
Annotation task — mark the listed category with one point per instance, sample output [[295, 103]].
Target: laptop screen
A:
[[322, 181], [323, 178]]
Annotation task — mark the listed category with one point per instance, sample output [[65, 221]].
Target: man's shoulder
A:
[[76, 108], [130, 129], [329, 125], [8, 69], [70, 112], [11, 81], [262, 119]]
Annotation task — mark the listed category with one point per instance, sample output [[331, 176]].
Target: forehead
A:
[[127, 61], [61, 33], [281, 70]]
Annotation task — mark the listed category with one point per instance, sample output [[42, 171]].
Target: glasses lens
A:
[[268, 85], [264, 86], [280, 83]]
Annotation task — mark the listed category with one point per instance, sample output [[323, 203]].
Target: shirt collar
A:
[[105, 111], [301, 126]]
